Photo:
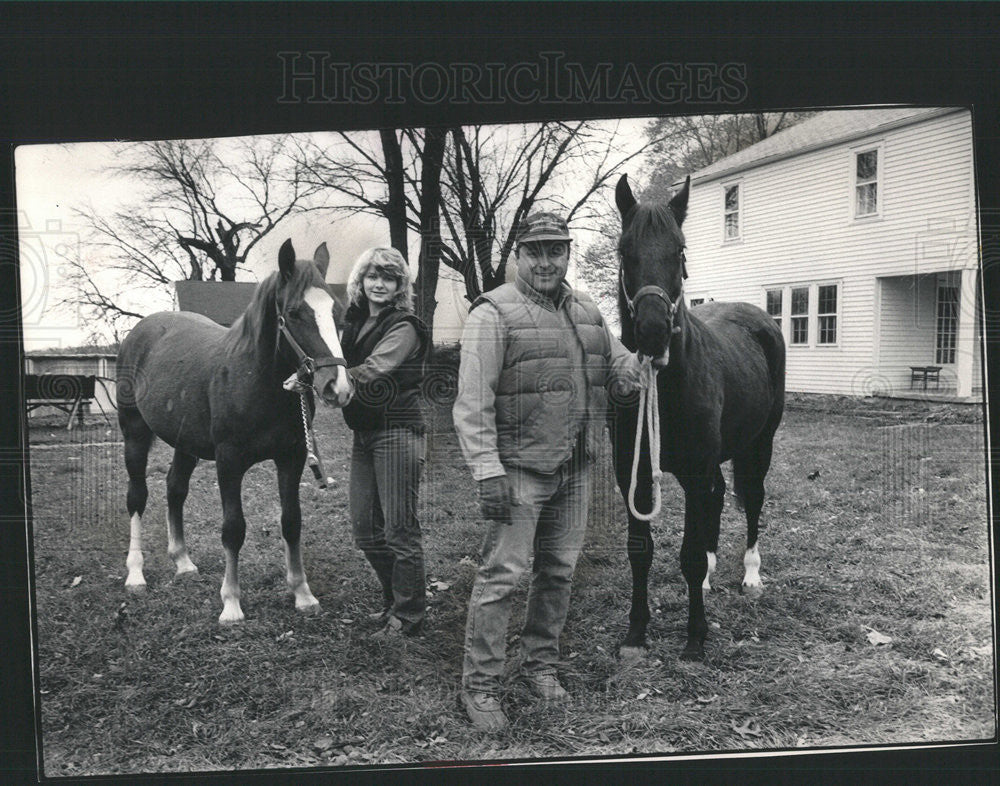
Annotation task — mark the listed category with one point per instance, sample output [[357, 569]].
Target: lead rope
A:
[[312, 448], [649, 413]]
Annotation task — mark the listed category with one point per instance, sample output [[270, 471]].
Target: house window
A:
[[946, 331], [774, 304], [866, 183], [826, 313], [800, 315], [731, 212]]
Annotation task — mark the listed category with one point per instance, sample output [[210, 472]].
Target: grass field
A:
[[874, 627]]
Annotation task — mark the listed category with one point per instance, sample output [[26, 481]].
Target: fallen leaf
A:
[[940, 655], [76, 581], [643, 695], [749, 729], [323, 743], [709, 700], [878, 639]]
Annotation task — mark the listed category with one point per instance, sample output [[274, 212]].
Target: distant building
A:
[[78, 363], [856, 230]]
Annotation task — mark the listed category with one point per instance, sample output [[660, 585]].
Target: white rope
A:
[[649, 413]]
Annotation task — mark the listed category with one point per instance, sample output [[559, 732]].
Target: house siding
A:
[[797, 228]]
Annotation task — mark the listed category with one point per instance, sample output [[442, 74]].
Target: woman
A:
[[386, 347]]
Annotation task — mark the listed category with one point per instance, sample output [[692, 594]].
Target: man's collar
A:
[[531, 293]]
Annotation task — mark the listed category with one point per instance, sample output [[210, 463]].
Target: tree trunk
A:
[[430, 225], [395, 210]]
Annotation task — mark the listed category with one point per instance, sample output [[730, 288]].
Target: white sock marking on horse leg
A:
[[322, 305], [135, 581], [296, 577], [751, 564], [177, 550], [231, 611], [706, 585]]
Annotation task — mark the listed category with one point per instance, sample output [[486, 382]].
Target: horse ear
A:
[[286, 259], [679, 204], [623, 196], [322, 259]]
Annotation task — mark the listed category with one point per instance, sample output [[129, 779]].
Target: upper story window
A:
[[731, 212], [867, 166]]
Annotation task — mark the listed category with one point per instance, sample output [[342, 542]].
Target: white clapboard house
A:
[[857, 231]]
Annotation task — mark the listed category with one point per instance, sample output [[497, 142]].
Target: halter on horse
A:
[[720, 391], [218, 394]]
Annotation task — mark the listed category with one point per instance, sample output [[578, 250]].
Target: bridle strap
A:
[[651, 290], [307, 365]]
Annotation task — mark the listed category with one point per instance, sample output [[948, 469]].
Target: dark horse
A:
[[217, 394], [720, 385]]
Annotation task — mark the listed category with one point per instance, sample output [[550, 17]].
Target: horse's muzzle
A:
[[333, 385], [653, 338]]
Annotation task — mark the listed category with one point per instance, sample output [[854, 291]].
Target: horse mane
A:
[[647, 219], [246, 333]]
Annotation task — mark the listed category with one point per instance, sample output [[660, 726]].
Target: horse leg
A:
[[234, 528], [694, 560], [177, 490], [640, 540], [749, 472], [289, 475], [138, 439], [716, 502], [640, 557]]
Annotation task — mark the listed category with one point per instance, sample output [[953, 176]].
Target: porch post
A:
[[965, 341]]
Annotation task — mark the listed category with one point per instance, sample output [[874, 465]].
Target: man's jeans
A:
[[385, 481], [549, 520]]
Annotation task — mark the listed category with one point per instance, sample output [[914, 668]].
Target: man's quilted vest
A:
[[538, 408]]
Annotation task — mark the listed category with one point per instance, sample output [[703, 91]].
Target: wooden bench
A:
[[925, 374], [66, 392]]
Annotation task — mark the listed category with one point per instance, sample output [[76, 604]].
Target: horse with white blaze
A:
[[236, 396]]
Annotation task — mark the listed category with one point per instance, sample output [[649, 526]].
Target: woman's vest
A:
[[393, 399], [540, 414]]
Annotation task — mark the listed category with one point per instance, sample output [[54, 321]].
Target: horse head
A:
[[652, 268], [306, 327]]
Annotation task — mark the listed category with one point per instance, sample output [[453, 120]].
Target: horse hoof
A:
[[310, 609], [231, 617], [186, 574], [693, 652], [752, 591], [136, 589], [631, 654]]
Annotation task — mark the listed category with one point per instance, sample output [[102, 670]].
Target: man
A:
[[530, 412]]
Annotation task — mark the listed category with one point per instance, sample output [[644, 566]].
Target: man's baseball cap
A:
[[541, 226]]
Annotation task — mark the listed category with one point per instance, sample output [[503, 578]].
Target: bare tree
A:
[[200, 207], [464, 189]]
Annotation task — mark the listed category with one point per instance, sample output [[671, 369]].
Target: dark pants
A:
[[385, 481]]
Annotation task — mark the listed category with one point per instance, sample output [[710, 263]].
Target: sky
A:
[[53, 181]]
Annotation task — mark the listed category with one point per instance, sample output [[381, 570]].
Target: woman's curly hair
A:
[[388, 261]]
